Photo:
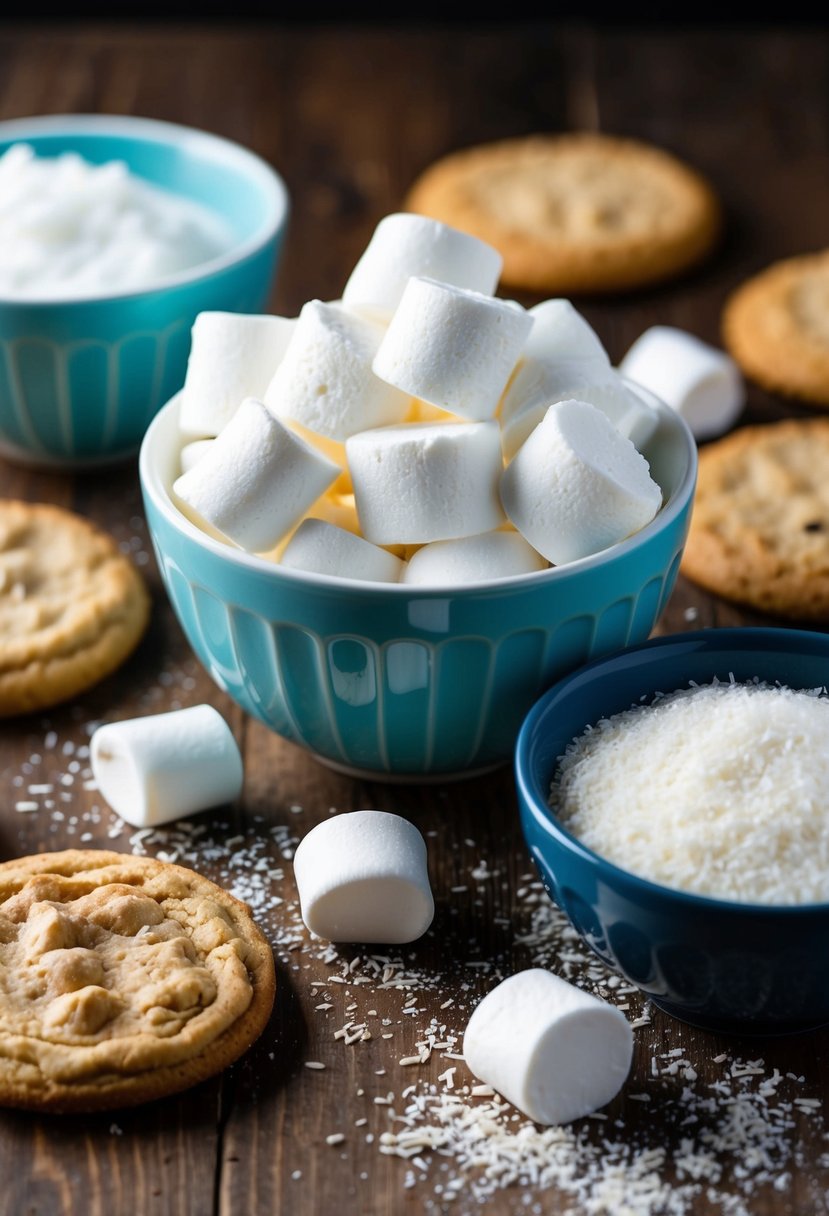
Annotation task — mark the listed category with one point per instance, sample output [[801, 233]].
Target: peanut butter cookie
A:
[[72, 607], [122, 979], [575, 213], [776, 325], [760, 524]]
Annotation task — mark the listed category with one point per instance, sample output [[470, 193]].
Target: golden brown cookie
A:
[[122, 979], [72, 607], [574, 213], [760, 524], [776, 325]]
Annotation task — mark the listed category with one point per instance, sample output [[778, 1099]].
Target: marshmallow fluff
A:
[[577, 486], [257, 480], [421, 482], [703, 384], [325, 381], [70, 228], [363, 877], [472, 559], [323, 548], [453, 348], [232, 356], [165, 766], [552, 1050]]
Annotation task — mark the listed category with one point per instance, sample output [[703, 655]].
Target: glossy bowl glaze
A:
[[743, 968], [399, 681], [81, 379]]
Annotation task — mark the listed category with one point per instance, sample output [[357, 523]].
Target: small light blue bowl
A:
[[734, 967], [81, 379], [405, 682]]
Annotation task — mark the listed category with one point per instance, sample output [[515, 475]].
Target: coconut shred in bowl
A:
[[70, 229], [717, 789]]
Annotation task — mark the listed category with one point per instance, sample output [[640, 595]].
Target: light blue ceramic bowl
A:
[[724, 965], [81, 379], [398, 681]]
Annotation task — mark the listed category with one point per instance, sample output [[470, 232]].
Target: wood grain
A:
[[350, 115]]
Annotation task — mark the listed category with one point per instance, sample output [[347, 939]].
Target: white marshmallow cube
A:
[[560, 332], [703, 384], [552, 1050], [257, 480], [538, 384], [472, 559], [232, 356], [325, 381], [421, 482], [165, 766], [192, 453], [404, 245], [363, 877], [323, 548], [453, 348], [577, 486]]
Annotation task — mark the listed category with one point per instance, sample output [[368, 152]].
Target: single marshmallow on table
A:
[[232, 356], [577, 486], [404, 245], [453, 348], [257, 480], [363, 877], [538, 384], [701, 383], [551, 1049], [421, 482], [325, 381], [560, 332], [472, 559], [192, 453], [165, 766], [323, 548]]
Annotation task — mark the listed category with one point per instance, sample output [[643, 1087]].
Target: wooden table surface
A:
[[350, 115]]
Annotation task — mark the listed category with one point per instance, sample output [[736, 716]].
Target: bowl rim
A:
[[157, 130], [715, 639], [154, 487]]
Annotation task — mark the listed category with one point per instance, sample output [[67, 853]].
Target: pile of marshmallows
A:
[[554, 1051], [419, 430]]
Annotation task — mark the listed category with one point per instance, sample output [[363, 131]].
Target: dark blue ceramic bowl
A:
[[737, 967]]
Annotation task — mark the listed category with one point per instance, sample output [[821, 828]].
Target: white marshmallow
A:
[[426, 481], [703, 384], [560, 332], [577, 486], [325, 381], [404, 245], [323, 548], [472, 559], [551, 1049], [232, 356], [451, 347], [165, 766], [538, 384], [363, 877], [192, 453], [257, 480]]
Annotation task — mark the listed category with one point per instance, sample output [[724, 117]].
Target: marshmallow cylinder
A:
[[192, 453], [323, 548], [552, 1050], [472, 559], [577, 486], [404, 245], [422, 482], [232, 356], [363, 877], [560, 332], [257, 480], [162, 767], [325, 381], [704, 385], [539, 384], [453, 348]]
